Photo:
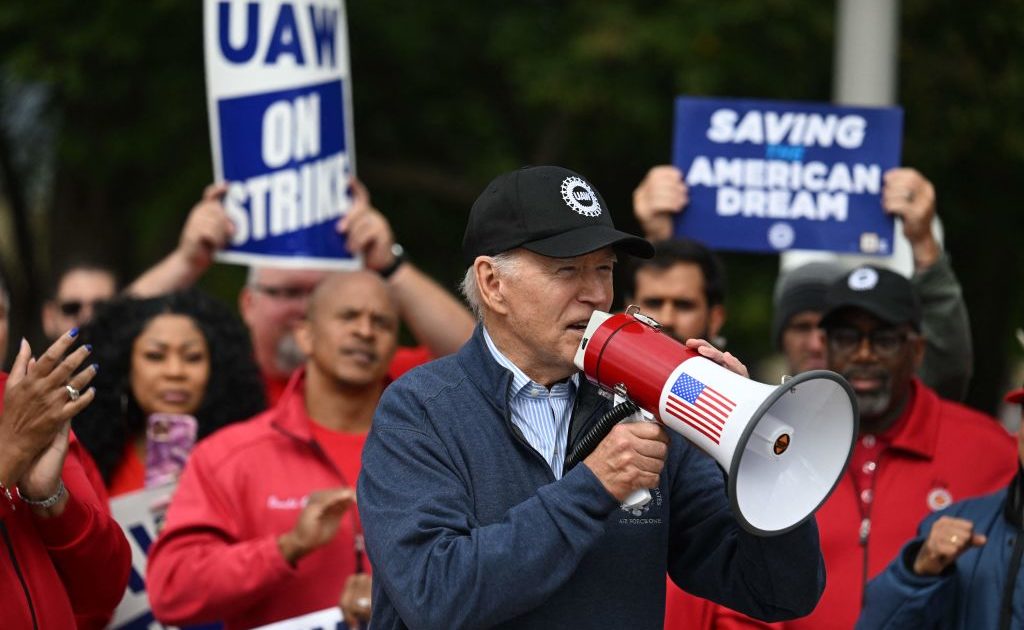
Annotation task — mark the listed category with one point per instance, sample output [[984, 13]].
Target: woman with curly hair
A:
[[179, 356]]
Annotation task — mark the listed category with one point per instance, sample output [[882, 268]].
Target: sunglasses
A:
[[72, 308]]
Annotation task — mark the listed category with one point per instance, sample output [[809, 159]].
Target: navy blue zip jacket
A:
[[984, 588], [466, 526]]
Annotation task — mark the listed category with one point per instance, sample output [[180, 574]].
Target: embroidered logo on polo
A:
[[580, 197], [939, 498], [863, 279]]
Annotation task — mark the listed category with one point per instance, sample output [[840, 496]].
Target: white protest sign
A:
[[140, 515], [327, 619], [279, 100]]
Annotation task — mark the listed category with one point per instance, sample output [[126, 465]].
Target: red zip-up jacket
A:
[[944, 452], [217, 558], [66, 571]]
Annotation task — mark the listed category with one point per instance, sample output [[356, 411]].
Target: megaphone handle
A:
[[637, 499]]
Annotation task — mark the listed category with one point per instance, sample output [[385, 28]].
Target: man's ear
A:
[[304, 336], [245, 304], [918, 348], [490, 285]]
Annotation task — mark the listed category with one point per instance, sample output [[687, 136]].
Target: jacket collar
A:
[[290, 415], [493, 381], [920, 431], [489, 377]]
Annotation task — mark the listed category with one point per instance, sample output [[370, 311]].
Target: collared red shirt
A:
[[540, 413]]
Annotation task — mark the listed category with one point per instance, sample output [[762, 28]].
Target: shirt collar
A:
[[522, 384], [919, 432]]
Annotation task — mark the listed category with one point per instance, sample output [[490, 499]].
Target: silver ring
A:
[[363, 602], [73, 393]]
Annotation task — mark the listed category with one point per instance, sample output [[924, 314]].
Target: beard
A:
[[872, 404]]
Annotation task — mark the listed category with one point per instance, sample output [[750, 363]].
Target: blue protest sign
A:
[[279, 100], [768, 176]]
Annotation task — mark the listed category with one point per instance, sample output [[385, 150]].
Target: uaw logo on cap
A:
[[863, 279], [579, 196]]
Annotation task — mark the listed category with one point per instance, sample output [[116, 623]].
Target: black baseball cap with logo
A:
[[885, 294], [548, 210]]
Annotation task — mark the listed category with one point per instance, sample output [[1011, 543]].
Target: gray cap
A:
[[801, 289]]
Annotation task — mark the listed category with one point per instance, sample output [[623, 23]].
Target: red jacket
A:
[[217, 557], [69, 568], [944, 452]]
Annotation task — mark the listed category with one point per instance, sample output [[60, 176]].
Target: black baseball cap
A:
[[885, 294], [548, 210]]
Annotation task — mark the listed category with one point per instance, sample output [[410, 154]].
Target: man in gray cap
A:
[[798, 301], [471, 518], [799, 296]]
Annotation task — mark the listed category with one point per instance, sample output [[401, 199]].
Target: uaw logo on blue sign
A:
[[277, 75], [767, 176]]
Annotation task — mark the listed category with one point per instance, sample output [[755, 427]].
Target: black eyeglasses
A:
[[73, 308], [283, 293], [885, 342]]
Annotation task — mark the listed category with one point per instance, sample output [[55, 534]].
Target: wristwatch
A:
[[399, 253]]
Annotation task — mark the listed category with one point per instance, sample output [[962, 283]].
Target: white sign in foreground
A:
[[327, 619], [140, 515]]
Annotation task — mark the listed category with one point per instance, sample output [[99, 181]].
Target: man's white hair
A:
[[504, 263]]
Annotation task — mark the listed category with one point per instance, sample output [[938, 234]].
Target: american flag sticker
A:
[[699, 406]]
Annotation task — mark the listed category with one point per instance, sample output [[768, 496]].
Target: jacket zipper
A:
[[17, 571]]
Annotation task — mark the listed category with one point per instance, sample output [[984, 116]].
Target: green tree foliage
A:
[[448, 94]]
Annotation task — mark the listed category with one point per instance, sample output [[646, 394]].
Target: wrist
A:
[[398, 259], [52, 504], [924, 567], [657, 227], [191, 261], [13, 463], [926, 253], [290, 548]]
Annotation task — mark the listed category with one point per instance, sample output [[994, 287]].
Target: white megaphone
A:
[[784, 447]]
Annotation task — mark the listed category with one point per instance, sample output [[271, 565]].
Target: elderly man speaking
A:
[[471, 520]]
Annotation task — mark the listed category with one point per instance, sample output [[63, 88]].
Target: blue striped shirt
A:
[[541, 414]]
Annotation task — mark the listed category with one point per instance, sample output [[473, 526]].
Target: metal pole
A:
[[866, 52], [865, 73]]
